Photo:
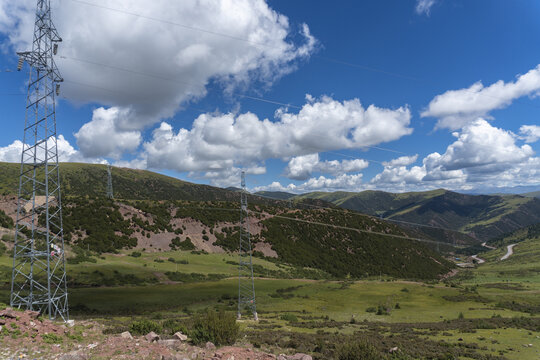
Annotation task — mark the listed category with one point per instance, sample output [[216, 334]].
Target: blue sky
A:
[[392, 103]]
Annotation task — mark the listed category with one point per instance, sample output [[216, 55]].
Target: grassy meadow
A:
[[490, 312]]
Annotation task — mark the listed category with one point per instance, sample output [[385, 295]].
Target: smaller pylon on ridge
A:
[[110, 193], [246, 285]]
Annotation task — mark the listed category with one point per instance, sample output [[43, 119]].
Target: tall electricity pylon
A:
[[110, 193], [246, 286], [39, 278]]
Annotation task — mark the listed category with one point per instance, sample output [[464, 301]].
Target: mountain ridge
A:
[[482, 216]]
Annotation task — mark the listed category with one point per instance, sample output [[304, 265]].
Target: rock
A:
[[126, 335], [0, 328], [169, 342], [210, 346], [180, 336], [32, 314], [393, 350], [152, 336], [8, 313], [300, 356], [70, 323], [281, 357], [2, 321]]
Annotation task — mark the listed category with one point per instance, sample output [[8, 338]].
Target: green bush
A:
[[5, 220], [136, 254], [359, 350], [8, 238], [218, 327], [176, 243], [382, 310], [172, 326], [2, 249], [144, 326], [52, 339]]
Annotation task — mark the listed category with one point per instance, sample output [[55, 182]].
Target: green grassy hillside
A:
[[296, 237], [535, 194], [527, 233], [91, 180], [484, 217]]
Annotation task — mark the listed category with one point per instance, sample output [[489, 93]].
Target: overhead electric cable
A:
[[329, 59], [328, 224]]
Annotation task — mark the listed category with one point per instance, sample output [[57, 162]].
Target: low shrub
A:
[[172, 326], [3, 248], [136, 254], [218, 327], [51, 338], [359, 350], [144, 326]]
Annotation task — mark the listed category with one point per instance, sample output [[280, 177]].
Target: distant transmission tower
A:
[[246, 286], [39, 278], [110, 193]]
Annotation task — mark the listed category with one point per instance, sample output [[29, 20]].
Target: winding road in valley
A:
[[480, 261], [509, 252]]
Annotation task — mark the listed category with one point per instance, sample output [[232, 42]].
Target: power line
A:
[[238, 38], [261, 99], [327, 224], [329, 59], [371, 216]]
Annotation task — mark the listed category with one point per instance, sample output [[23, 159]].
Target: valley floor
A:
[[490, 312]]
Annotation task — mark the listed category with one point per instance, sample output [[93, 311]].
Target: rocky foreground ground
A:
[[25, 335]]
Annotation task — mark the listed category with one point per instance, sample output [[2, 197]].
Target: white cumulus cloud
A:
[[66, 152], [345, 182], [152, 64], [530, 133], [219, 142], [456, 108], [102, 137], [302, 167], [481, 156]]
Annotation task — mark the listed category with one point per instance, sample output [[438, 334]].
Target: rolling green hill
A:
[[535, 194], [91, 180], [482, 216], [152, 212]]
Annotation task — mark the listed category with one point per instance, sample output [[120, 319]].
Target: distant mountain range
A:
[[482, 216]]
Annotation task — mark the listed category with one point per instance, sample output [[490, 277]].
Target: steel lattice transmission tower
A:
[[39, 277], [246, 285], [110, 193]]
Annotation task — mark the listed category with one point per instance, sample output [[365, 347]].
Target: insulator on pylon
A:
[[55, 49], [57, 89], [20, 64]]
